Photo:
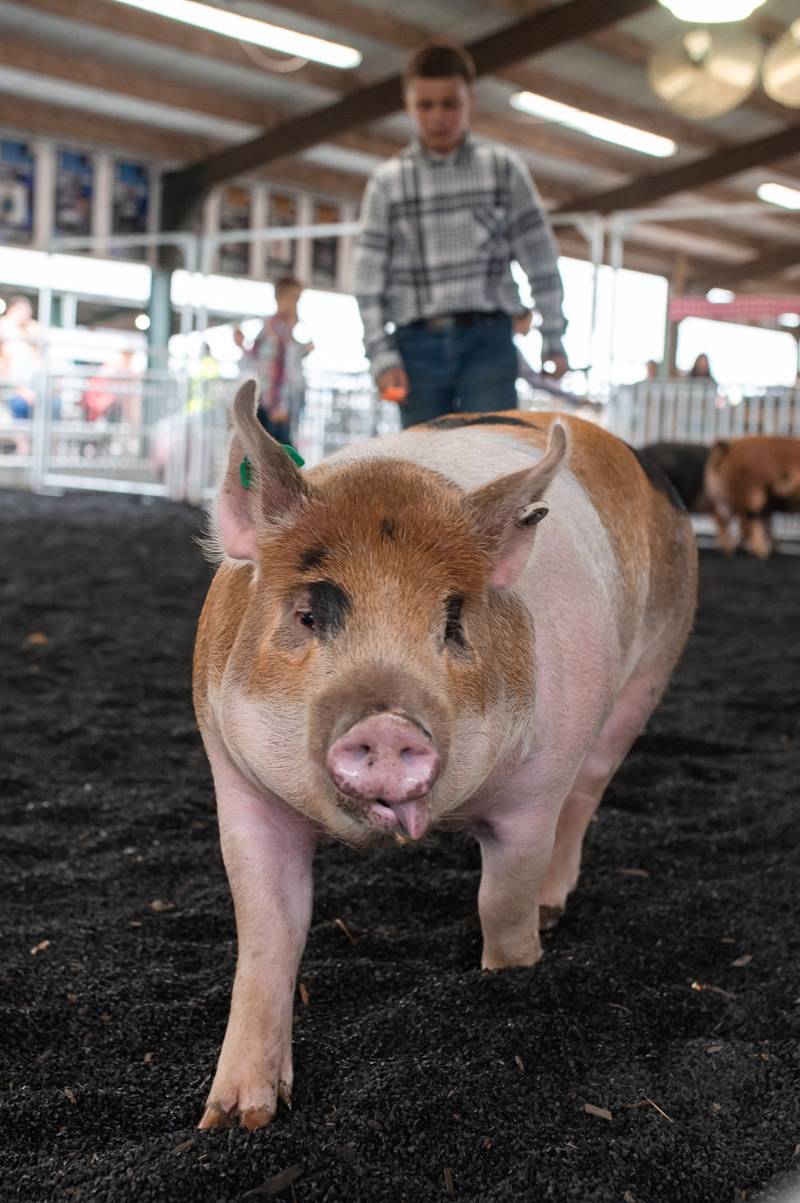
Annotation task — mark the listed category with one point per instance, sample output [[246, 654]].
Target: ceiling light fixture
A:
[[720, 296], [709, 12], [596, 127], [779, 194], [247, 29], [781, 70]]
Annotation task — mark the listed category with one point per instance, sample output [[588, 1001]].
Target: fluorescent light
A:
[[590, 123], [779, 194], [789, 319], [706, 12], [247, 29], [720, 296], [141, 321]]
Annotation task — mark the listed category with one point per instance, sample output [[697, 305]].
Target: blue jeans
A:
[[463, 368]]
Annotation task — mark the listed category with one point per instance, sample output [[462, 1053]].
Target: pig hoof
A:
[[549, 917], [217, 1117], [256, 1117], [250, 1117]]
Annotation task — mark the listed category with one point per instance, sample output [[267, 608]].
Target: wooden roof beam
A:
[[657, 185]]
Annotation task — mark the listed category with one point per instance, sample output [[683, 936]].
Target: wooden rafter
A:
[[720, 165]]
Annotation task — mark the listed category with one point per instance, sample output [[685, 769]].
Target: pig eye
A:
[[453, 630], [323, 608]]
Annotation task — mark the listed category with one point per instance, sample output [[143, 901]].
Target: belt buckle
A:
[[438, 325]]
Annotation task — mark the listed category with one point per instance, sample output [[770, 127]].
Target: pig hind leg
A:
[[633, 707]]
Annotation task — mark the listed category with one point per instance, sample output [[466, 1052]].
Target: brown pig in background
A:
[[393, 644]]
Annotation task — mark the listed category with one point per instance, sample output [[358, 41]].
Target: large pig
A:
[[393, 644]]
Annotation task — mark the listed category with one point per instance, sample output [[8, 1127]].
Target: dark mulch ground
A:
[[669, 995]]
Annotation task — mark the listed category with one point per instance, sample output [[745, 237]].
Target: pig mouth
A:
[[405, 819], [401, 821]]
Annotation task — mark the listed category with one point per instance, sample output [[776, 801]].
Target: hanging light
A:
[[781, 71], [707, 12], [704, 72]]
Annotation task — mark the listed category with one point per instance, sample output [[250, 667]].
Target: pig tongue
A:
[[411, 817]]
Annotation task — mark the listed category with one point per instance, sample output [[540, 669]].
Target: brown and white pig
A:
[[748, 479], [393, 644]]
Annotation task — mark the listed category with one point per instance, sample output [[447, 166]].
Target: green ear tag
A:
[[295, 456], [245, 473]]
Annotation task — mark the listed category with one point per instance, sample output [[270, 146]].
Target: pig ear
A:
[[506, 512], [260, 484]]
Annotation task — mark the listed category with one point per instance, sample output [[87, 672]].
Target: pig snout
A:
[[385, 758]]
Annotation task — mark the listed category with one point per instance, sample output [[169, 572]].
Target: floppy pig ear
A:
[[260, 484], [507, 511]]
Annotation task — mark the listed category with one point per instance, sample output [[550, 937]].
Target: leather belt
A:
[[449, 321]]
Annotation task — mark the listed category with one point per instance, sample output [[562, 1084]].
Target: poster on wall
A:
[[281, 254], [131, 205], [16, 193], [74, 190], [234, 214], [324, 251]]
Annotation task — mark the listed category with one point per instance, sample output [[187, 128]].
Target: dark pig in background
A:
[[684, 465], [465, 625]]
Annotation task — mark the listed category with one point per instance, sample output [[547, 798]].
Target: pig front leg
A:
[[268, 851], [515, 851]]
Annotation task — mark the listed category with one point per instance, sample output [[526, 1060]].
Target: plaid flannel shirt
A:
[[438, 237]]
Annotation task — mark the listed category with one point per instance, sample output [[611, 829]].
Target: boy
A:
[[441, 223]]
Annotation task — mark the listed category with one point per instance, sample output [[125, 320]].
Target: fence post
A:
[[40, 426]]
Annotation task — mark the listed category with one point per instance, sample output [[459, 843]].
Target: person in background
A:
[[651, 370], [201, 396], [701, 369], [20, 357], [441, 223], [275, 358], [114, 393]]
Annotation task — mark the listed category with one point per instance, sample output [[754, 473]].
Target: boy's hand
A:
[[555, 366], [393, 385]]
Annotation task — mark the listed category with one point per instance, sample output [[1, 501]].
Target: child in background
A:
[[275, 358]]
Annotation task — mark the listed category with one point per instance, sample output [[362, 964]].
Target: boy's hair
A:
[[439, 60], [284, 284]]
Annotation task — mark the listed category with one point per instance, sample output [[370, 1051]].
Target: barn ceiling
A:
[[207, 107]]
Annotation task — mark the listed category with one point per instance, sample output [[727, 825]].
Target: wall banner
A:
[[74, 191], [16, 193]]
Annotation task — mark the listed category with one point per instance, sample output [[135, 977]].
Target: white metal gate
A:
[[689, 411]]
